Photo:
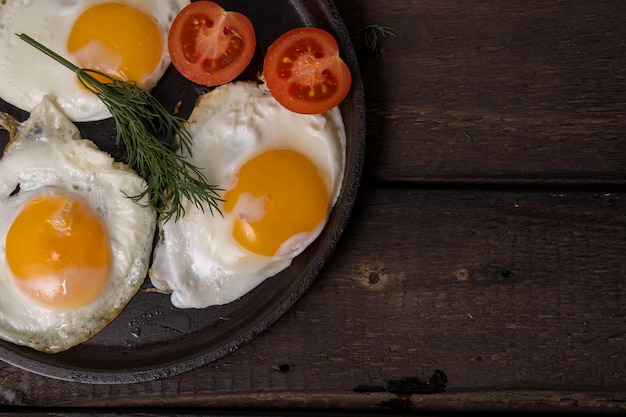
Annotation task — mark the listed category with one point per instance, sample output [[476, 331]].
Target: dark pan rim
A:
[[354, 106]]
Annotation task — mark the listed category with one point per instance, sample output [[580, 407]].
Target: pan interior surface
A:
[[151, 339]]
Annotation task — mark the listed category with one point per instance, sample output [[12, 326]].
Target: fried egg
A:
[[74, 249], [281, 173], [124, 38]]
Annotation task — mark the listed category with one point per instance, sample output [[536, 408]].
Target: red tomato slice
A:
[[209, 45], [304, 72]]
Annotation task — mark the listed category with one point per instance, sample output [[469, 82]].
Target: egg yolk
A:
[[118, 40], [58, 251], [277, 195]]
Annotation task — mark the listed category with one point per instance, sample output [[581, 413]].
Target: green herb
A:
[[371, 37], [469, 137], [142, 124]]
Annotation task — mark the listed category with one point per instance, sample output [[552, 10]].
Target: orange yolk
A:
[[58, 251], [278, 194], [117, 39]]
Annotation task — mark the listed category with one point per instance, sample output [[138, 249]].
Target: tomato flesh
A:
[[304, 72], [210, 46]]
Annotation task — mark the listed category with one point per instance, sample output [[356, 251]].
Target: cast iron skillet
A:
[[151, 339]]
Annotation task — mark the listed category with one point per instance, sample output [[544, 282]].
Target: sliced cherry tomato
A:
[[304, 72], [209, 45]]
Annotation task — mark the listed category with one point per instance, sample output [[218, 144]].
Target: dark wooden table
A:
[[483, 268]]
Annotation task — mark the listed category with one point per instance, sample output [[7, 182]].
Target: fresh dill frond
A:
[[371, 37], [143, 125]]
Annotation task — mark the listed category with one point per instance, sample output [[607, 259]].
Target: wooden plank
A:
[[496, 92], [517, 297], [337, 404]]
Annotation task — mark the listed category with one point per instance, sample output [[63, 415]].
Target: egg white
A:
[[27, 75], [197, 259], [48, 156]]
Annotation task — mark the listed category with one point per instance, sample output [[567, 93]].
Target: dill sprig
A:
[[142, 125], [371, 37]]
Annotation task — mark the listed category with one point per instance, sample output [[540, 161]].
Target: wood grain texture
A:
[[429, 293], [496, 92]]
